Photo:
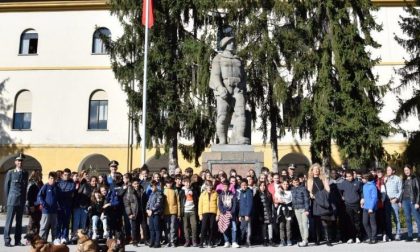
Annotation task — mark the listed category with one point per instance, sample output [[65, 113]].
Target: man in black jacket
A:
[[351, 190]]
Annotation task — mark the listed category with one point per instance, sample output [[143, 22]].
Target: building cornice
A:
[[71, 5], [53, 5], [53, 68]]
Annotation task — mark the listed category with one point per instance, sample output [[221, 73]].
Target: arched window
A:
[[28, 42], [98, 110], [98, 46], [23, 110]]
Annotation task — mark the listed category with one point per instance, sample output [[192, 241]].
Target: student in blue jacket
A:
[[48, 197], [154, 209], [369, 203], [246, 197]]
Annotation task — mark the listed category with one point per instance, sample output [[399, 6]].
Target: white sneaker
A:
[[357, 240], [384, 238], [57, 241], [94, 236], [303, 244], [63, 241], [235, 245], [350, 241], [227, 245], [106, 235]]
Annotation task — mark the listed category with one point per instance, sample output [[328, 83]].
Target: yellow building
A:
[[61, 105]]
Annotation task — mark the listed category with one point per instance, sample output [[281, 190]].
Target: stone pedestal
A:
[[224, 157]]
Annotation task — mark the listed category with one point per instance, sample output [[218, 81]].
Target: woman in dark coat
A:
[[34, 185], [263, 212], [322, 207]]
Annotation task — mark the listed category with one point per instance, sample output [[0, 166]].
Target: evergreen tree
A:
[[180, 103], [345, 100], [410, 75]]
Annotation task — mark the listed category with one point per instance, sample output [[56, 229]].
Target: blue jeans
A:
[[411, 211], [79, 219], [63, 222], [391, 212], [233, 232], [154, 226]]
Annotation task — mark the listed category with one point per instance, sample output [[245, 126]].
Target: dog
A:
[[39, 245], [116, 244], [84, 243]]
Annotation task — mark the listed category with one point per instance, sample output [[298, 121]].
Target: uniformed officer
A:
[[15, 188], [113, 167]]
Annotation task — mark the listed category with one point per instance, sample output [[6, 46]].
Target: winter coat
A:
[[300, 197], [228, 203], [207, 203], [245, 202], [68, 189], [48, 197], [370, 195], [135, 202], [263, 206], [82, 195], [322, 205], [415, 190], [32, 194], [155, 203], [171, 202]]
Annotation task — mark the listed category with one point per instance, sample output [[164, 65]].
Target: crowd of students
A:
[[186, 209]]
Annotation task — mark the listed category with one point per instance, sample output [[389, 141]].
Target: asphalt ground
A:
[[394, 246]]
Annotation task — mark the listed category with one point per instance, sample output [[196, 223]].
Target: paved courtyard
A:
[[400, 246]]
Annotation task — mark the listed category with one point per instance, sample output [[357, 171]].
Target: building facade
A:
[[61, 105]]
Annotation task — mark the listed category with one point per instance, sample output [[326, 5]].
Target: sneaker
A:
[[397, 238], [384, 238], [235, 245], [303, 244], [409, 239], [357, 240], [289, 243], [227, 245], [57, 242], [283, 244], [7, 244], [63, 241], [350, 241], [106, 235], [187, 243], [94, 236]]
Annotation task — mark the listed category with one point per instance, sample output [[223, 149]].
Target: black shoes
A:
[[372, 241], [7, 244], [409, 239]]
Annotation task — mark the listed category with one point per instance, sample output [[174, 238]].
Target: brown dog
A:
[[84, 243], [116, 244], [39, 245]]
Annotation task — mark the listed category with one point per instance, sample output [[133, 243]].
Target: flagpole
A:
[[144, 115]]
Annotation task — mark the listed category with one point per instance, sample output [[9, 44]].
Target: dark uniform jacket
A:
[[15, 187]]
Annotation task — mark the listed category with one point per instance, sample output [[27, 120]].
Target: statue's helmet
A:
[[225, 41]]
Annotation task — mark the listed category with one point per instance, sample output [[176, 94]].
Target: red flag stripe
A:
[[151, 18]]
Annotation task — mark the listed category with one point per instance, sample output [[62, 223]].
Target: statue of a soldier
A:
[[227, 79]]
